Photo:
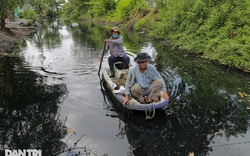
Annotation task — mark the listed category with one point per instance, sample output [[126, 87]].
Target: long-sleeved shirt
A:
[[115, 47], [144, 79]]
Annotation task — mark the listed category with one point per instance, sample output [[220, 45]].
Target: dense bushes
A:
[[101, 8], [28, 14], [217, 29]]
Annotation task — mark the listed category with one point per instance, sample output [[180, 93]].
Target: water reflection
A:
[[205, 101], [50, 36], [29, 109], [89, 34], [139, 132]]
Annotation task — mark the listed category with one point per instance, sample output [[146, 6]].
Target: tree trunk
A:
[[2, 26]]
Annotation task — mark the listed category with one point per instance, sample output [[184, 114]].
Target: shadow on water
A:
[[29, 109], [139, 132]]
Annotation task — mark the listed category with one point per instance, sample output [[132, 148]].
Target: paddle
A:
[[101, 59]]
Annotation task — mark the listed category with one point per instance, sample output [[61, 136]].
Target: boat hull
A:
[[126, 111], [133, 105]]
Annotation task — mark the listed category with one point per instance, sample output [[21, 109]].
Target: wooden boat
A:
[[115, 87]]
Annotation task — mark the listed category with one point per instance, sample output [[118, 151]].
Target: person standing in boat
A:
[[144, 82], [115, 45]]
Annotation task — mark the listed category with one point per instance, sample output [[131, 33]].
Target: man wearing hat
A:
[[144, 82], [117, 53]]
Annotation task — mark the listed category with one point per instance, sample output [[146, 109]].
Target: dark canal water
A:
[[51, 99]]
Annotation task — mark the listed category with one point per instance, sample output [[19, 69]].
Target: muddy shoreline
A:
[[15, 31]]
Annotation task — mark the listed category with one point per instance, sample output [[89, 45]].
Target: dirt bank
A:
[[15, 31]]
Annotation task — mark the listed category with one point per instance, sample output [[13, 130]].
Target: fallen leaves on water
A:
[[241, 94], [216, 133], [71, 131]]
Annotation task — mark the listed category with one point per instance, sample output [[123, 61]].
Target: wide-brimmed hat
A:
[[142, 57], [115, 29]]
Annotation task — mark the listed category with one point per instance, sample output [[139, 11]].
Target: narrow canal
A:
[[51, 99]]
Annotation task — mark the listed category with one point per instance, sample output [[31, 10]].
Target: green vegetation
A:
[[216, 30], [74, 9], [28, 14], [6, 6], [101, 8], [31, 9]]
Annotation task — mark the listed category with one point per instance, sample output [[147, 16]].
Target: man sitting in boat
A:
[[117, 53], [144, 82]]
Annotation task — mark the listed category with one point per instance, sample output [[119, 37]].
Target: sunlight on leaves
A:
[[191, 154]]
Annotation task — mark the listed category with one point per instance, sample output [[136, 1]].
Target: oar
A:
[[101, 59]]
